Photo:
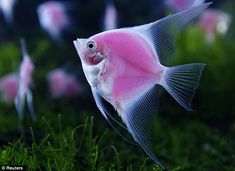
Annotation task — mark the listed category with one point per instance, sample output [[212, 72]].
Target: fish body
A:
[[62, 84], [53, 18], [128, 61], [25, 81], [26, 71], [125, 67], [9, 87]]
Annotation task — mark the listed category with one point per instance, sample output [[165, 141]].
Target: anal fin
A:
[[138, 115]]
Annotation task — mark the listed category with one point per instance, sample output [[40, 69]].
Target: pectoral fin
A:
[[107, 115]]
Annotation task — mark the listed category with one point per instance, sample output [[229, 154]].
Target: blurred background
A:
[[200, 140]]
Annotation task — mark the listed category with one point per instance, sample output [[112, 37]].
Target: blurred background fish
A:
[[179, 5], [9, 87], [7, 8], [53, 18], [25, 82], [214, 21], [62, 84], [110, 16]]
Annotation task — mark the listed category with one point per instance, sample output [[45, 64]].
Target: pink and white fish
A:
[[63, 84], [110, 17], [180, 5], [25, 81], [7, 7], [9, 87], [53, 18], [214, 21], [125, 68]]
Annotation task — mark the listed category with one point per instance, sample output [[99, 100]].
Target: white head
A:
[[93, 56]]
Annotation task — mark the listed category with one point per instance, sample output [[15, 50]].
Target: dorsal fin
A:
[[162, 33]]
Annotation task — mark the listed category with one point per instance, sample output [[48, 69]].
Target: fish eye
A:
[[91, 45]]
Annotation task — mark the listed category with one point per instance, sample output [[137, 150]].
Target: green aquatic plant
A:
[[190, 145]]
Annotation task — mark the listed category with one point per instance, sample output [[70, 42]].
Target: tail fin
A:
[[182, 81]]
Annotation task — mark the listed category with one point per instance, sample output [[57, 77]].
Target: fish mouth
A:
[[79, 44]]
